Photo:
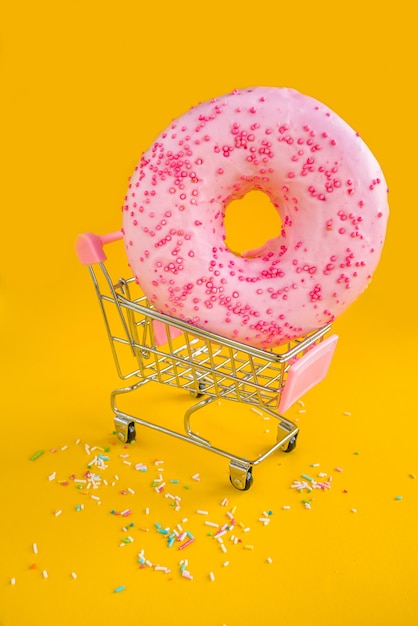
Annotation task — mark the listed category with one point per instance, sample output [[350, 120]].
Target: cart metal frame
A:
[[149, 346]]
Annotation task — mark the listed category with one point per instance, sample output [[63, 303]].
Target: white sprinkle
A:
[[160, 568], [224, 502], [269, 559], [127, 463], [131, 491], [301, 403], [302, 411], [265, 520], [196, 477], [212, 576], [80, 480], [35, 548], [45, 573], [347, 413], [158, 462], [52, 476], [74, 575], [354, 510], [116, 477], [286, 507], [213, 524], [223, 547], [95, 498], [147, 511], [13, 581], [64, 447], [57, 513], [201, 512], [256, 411], [77, 442], [246, 530], [226, 563]]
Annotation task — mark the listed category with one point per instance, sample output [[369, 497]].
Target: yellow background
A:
[[86, 87]]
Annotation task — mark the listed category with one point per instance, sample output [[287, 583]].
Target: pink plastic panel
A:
[[307, 371], [160, 333]]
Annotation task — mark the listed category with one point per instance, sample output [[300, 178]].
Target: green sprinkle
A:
[[119, 589], [37, 455], [187, 486], [398, 497], [306, 477]]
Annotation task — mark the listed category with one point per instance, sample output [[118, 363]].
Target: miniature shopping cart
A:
[[149, 346]]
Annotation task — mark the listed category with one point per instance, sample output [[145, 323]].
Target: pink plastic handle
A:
[[307, 371], [89, 247]]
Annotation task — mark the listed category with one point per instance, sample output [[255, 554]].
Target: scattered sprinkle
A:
[[37, 455], [398, 497]]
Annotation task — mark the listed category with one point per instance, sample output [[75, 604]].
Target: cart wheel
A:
[[291, 444], [131, 434], [241, 479], [199, 394], [243, 486]]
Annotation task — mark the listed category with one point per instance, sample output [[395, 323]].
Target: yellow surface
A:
[[86, 86]]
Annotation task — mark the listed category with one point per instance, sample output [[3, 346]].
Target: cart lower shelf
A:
[[240, 468]]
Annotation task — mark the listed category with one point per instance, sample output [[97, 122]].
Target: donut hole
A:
[[250, 222]]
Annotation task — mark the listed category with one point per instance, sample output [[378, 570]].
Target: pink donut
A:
[[327, 186]]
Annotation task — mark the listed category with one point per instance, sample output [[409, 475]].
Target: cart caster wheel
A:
[[200, 393], [242, 485], [291, 444], [131, 434], [241, 476]]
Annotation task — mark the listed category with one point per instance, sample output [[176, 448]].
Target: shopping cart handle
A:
[[89, 247]]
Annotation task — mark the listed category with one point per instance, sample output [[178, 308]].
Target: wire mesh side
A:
[[196, 360]]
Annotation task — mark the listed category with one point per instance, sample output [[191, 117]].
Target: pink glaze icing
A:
[[327, 186]]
